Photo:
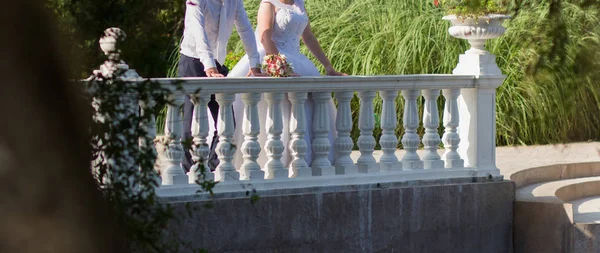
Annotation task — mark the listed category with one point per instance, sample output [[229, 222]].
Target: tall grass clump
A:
[[550, 54]]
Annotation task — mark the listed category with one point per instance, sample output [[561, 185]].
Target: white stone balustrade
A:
[[420, 92], [468, 125]]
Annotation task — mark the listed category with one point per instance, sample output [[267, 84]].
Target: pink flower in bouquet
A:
[[277, 66]]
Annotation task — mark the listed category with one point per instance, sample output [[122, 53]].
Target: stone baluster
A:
[[344, 165], [451, 138], [410, 140], [225, 150], [321, 166], [145, 108], [200, 149], [274, 146], [298, 146], [389, 141], [174, 173], [431, 122], [151, 126], [366, 142], [251, 148]]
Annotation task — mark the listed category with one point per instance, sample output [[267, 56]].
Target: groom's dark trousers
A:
[[192, 67]]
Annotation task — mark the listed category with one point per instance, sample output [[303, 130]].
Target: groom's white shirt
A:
[[205, 36]]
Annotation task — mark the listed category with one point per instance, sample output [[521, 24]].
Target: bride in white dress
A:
[[281, 25]]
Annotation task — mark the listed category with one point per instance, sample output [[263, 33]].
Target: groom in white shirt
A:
[[208, 26]]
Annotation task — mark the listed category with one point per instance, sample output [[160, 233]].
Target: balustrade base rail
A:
[[331, 180]]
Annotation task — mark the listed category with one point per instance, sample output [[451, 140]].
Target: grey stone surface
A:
[[585, 238], [467, 217], [542, 227]]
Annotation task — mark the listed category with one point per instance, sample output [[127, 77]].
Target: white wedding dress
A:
[[290, 22]]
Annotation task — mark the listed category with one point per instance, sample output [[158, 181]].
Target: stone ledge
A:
[[241, 189]]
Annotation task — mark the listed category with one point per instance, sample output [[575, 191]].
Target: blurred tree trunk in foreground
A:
[[48, 198]]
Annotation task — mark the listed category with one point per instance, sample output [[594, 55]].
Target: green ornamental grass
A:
[[552, 90]]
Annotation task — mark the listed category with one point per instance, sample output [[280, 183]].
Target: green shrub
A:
[[154, 28], [472, 7]]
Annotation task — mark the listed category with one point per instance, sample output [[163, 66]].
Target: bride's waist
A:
[[288, 45], [288, 51]]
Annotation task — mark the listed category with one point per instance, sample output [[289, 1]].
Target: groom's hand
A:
[[213, 72], [256, 72]]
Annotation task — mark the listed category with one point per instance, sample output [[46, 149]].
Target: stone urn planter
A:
[[477, 31]]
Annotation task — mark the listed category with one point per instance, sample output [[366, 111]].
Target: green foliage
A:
[[468, 8], [154, 28], [233, 58], [550, 54], [124, 161]]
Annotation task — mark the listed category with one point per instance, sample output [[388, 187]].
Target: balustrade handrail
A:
[[324, 83]]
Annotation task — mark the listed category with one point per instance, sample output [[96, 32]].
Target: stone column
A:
[[410, 140], [251, 148], [366, 142], [477, 106], [451, 138], [225, 150], [174, 173], [321, 165], [477, 109], [431, 139], [344, 165], [200, 149], [298, 146], [274, 146], [389, 141]]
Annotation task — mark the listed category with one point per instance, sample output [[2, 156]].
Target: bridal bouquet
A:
[[276, 65]]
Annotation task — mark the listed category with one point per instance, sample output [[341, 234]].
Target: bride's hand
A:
[[333, 72], [256, 73]]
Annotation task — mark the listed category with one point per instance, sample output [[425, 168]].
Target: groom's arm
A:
[[244, 29], [194, 21]]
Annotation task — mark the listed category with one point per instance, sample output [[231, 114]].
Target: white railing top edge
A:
[[324, 83]]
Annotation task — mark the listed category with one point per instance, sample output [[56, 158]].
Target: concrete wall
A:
[[543, 227], [549, 228], [585, 238], [465, 217]]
